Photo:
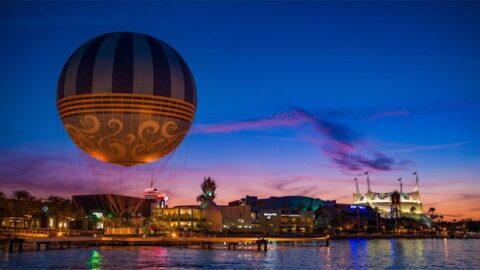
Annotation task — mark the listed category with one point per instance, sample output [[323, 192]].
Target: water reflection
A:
[[342, 254], [358, 253], [445, 247], [397, 253], [95, 260], [378, 253]]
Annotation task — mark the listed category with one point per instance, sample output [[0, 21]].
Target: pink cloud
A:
[[339, 143], [287, 119]]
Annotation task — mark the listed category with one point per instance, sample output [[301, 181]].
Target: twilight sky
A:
[[293, 99]]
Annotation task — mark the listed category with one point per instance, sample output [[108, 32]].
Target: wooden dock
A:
[[231, 243]]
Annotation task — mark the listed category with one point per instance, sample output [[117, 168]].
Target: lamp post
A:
[[358, 220], [339, 221]]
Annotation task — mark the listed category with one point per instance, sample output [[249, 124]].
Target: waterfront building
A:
[[36, 213], [113, 211], [236, 218], [178, 218], [393, 204], [187, 218], [288, 214], [346, 217]]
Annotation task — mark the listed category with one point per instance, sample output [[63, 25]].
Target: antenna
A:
[[368, 181], [356, 184], [416, 182]]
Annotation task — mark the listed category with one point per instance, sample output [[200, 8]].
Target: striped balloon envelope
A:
[[126, 98]]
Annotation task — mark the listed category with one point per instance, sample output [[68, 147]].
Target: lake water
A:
[[357, 254]]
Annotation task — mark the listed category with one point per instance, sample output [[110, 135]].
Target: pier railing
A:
[[46, 232]]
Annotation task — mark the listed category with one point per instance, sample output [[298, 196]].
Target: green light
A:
[[95, 260], [97, 215]]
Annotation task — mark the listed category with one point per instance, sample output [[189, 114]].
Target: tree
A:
[[60, 208], [22, 195], [209, 187], [23, 204], [2, 196], [432, 211]]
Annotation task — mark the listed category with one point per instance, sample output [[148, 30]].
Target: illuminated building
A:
[[184, 217], [288, 214], [187, 218], [112, 210], [236, 218], [392, 204]]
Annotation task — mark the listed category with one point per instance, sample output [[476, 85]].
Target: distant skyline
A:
[[293, 99]]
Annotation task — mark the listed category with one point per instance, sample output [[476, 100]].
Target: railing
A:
[[45, 232]]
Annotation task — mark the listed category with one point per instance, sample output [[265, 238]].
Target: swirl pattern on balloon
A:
[[125, 140]]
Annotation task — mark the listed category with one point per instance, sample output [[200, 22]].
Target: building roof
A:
[[112, 203], [292, 202]]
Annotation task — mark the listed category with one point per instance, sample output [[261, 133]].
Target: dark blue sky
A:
[[401, 79]]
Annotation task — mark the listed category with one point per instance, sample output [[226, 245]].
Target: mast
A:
[[368, 182], [356, 184], [416, 182]]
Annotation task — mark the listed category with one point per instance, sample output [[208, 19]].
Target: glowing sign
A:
[[362, 207], [270, 215], [97, 215]]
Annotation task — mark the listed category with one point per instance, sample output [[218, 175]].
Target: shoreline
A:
[[220, 242], [397, 236]]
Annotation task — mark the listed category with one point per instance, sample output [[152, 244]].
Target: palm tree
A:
[[432, 211], [21, 195], [208, 191]]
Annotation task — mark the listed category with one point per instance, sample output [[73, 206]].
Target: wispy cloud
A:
[[291, 187], [419, 148], [287, 119], [338, 142]]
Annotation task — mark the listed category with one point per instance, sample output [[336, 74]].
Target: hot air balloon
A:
[[126, 98]]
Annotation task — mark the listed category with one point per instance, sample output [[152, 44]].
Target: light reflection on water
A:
[[356, 254], [95, 261]]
